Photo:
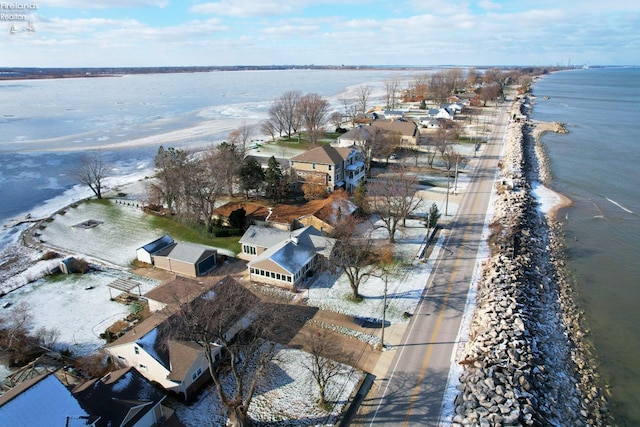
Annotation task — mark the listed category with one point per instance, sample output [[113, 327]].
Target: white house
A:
[[283, 258], [179, 366]]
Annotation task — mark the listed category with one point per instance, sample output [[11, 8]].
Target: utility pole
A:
[[384, 308]]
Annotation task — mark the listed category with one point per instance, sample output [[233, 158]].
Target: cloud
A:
[[243, 8], [104, 4]]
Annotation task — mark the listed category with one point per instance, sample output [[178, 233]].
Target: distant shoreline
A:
[[19, 73]]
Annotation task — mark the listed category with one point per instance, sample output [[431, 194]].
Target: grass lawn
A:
[[120, 231]]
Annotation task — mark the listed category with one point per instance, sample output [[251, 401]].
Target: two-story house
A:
[[334, 167], [178, 364]]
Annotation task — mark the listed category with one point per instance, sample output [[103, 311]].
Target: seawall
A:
[[527, 361]]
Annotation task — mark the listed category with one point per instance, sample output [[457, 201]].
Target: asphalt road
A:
[[411, 393]]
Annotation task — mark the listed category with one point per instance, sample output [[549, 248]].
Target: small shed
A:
[[146, 252], [187, 259]]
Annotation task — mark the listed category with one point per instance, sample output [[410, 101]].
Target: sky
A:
[[121, 33]]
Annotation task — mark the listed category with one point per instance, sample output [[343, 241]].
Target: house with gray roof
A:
[[283, 258]]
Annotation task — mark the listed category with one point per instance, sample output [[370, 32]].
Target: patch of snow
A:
[[404, 286], [287, 398], [79, 314], [546, 197]]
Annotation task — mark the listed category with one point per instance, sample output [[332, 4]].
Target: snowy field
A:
[[121, 231], [286, 398], [78, 313]]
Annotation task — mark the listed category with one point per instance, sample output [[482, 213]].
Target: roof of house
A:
[[120, 398], [358, 133], [40, 401], [155, 335], [266, 237], [186, 252], [176, 291], [407, 128], [253, 210], [325, 154], [324, 209], [158, 244], [297, 249]]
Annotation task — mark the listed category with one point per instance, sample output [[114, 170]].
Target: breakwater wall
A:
[[526, 362]]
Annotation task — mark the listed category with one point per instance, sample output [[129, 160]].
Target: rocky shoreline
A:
[[528, 361]]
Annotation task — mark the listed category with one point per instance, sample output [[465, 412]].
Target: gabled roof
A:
[[253, 210], [158, 244], [177, 291], [120, 398], [324, 154], [42, 401], [358, 133], [264, 237], [186, 252], [407, 128], [155, 334], [296, 250]]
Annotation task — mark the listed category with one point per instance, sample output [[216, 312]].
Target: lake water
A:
[[596, 165], [47, 125]]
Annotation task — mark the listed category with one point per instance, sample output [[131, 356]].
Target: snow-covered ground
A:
[[287, 397], [79, 314]]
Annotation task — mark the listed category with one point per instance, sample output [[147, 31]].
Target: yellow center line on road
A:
[[425, 363]]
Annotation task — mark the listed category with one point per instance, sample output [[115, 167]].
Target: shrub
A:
[[50, 255]]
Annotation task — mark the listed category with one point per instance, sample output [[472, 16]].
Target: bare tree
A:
[[350, 110], [393, 197], [204, 186], [169, 186], [391, 86], [312, 109], [284, 112], [92, 171], [418, 89], [473, 77], [353, 254], [208, 320], [362, 100], [269, 127], [241, 136], [325, 362], [336, 120]]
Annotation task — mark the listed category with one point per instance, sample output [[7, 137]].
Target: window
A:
[[329, 167], [313, 165], [136, 350], [143, 367], [122, 358]]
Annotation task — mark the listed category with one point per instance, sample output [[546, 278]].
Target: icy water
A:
[[596, 165], [47, 125]]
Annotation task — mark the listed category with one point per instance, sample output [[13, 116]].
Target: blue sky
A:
[[93, 33]]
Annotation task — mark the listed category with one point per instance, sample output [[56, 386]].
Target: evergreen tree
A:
[[251, 176], [274, 180]]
